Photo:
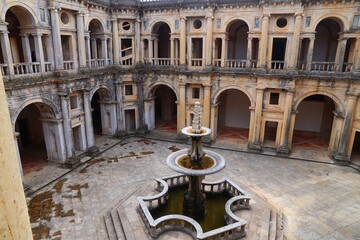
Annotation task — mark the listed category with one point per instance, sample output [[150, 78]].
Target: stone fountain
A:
[[194, 164]]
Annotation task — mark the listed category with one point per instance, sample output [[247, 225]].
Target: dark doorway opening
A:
[[355, 153], [278, 53], [96, 114], [165, 109], [130, 120], [270, 133]]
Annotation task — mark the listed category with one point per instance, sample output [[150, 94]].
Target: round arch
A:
[[232, 20], [30, 15], [96, 20], [104, 93], [51, 108], [216, 95], [340, 19], [338, 104], [156, 24], [152, 88]]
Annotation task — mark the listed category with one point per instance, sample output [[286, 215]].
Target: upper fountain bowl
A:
[[189, 132], [179, 162]]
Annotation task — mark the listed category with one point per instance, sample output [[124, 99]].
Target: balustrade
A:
[[26, 68], [68, 65], [4, 69], [196, 62], [277, 64], [95, 63], [235, 63], [217, 62]]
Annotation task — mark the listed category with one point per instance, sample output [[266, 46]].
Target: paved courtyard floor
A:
[[318, 200]]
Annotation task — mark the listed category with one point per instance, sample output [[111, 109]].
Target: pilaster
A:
[[81, 39], [115, 29], [264, 40], [284, 140], [182, 41], [56, 37]]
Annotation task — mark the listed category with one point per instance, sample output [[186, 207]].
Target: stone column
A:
[[6, 51], [88, 120], [115, 41], [137, 41], [56, 37], [14, 217], [104, 54], [70, 151], [16, 135], [88, 50], [156, 49], [94, 48], [49, 51], [206, 109], [284, 140], [264, 41], [224, 50], [172, 50], [26, 48], [295, 42], [39, 52], [356, 67], [182, 107], [310, 53], [182, 41], [341, 155], [249, 53], [151, 51], [209, 40], [119, 107], [110, 51], [213, 121], [81, 39], [255, 141], [340, 54]]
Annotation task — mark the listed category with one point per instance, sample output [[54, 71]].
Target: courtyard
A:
[[317, 200]]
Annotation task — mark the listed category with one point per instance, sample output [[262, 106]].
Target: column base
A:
[[72, 162], [142, 130], [59, 73], [120, 134], [255, 147], [341, 159], [283, 151], [92, 151]]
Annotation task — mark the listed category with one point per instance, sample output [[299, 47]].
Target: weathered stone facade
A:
[[274, 60]]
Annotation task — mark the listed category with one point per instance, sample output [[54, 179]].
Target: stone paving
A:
[[320, 201]]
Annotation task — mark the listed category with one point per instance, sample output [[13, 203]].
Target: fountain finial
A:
[[196, 123]]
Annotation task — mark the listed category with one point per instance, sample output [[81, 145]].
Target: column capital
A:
[[352, 94], [265, 15], [182, 18], [258, 89], [80, 13], [298, 15], [53, 9]]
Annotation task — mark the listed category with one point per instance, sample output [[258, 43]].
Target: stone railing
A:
[[68, 65], [235, 63], [234, 229], [126, 61], [196, 62], [48, 66], [4, 69], [217, 62], [324, 66], [277, 64], [27, 68], [97, 63]]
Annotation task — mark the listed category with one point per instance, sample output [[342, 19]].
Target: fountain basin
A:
[[214, 163], [203, 132]]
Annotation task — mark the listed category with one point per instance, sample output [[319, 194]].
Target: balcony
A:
[[325, 66]]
